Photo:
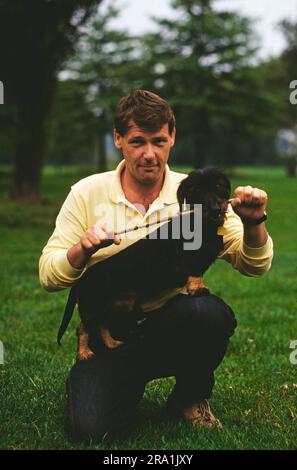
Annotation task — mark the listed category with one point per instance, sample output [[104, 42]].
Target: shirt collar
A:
[[167, 194], [116, 192]]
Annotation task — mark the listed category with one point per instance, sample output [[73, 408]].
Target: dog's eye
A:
[[222, 192]]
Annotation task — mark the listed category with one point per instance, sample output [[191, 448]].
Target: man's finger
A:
[[235, 201], [106, 233], [247, 196], [108, 229], [117, 239], [256, 197], [99, 233]]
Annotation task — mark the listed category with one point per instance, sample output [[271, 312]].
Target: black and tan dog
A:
[[110, 293]]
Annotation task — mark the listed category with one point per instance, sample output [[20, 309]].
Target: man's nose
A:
[[149, 152]]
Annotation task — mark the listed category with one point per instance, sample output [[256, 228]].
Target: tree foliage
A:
[[72, 126], [289, 64], [107, 66], [228, 105], [203, 63], [36, 37]]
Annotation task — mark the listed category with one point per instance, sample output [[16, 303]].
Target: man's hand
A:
[[249, 203], [98, 236]]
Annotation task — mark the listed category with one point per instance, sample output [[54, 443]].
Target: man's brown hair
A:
[[149, 112]]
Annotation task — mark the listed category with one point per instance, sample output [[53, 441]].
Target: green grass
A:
[[255, 392]]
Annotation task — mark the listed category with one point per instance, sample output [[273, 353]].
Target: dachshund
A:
[[110, 293]]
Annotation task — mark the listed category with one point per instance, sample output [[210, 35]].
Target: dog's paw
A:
[[111, 343], [108, 340], [199, 292], [196, 286], [85, 354]]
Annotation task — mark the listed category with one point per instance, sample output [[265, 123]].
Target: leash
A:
[[149, 224]]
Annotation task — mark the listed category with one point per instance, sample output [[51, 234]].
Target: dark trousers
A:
[[186, 338]]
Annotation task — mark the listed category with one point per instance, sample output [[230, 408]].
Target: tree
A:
[[201, 62], [36, 37], [107, 65], [289, 64], [289, 61], [71, 126]]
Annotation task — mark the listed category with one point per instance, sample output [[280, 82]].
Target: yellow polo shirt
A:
[[100, 198]]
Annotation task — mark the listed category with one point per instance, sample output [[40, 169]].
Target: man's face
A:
[[146, 154]]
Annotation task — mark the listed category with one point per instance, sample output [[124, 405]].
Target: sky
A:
[[265, 14]]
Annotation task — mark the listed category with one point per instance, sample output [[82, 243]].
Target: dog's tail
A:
[[68, 312]]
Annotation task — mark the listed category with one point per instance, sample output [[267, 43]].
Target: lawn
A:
[[256, 385]]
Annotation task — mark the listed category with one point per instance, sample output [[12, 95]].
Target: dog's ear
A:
[[187, 186], [223, 186], [183, 190]]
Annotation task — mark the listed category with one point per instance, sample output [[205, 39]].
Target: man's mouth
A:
[[149, 167]]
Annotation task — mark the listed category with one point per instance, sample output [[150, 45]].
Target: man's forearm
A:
[[255, 236], [77, 256]]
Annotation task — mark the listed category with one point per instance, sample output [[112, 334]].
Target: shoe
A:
[[197, 414]]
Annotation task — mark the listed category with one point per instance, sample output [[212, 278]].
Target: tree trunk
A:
[[30, 148]]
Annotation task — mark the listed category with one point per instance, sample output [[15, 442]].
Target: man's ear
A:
[[172, 137], [117, 138]]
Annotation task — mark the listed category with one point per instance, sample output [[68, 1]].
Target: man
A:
[[191, 334]]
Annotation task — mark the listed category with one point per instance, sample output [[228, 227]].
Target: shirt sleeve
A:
[[55, 271], [248, 260]]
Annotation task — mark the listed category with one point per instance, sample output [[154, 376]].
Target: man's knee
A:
[[212, 313], [93, 411], [84, 430], [81, 419]]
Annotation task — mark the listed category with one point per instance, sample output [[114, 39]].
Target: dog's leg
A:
[[120, 306], [196, 286], [108, 340], [83, 351]]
